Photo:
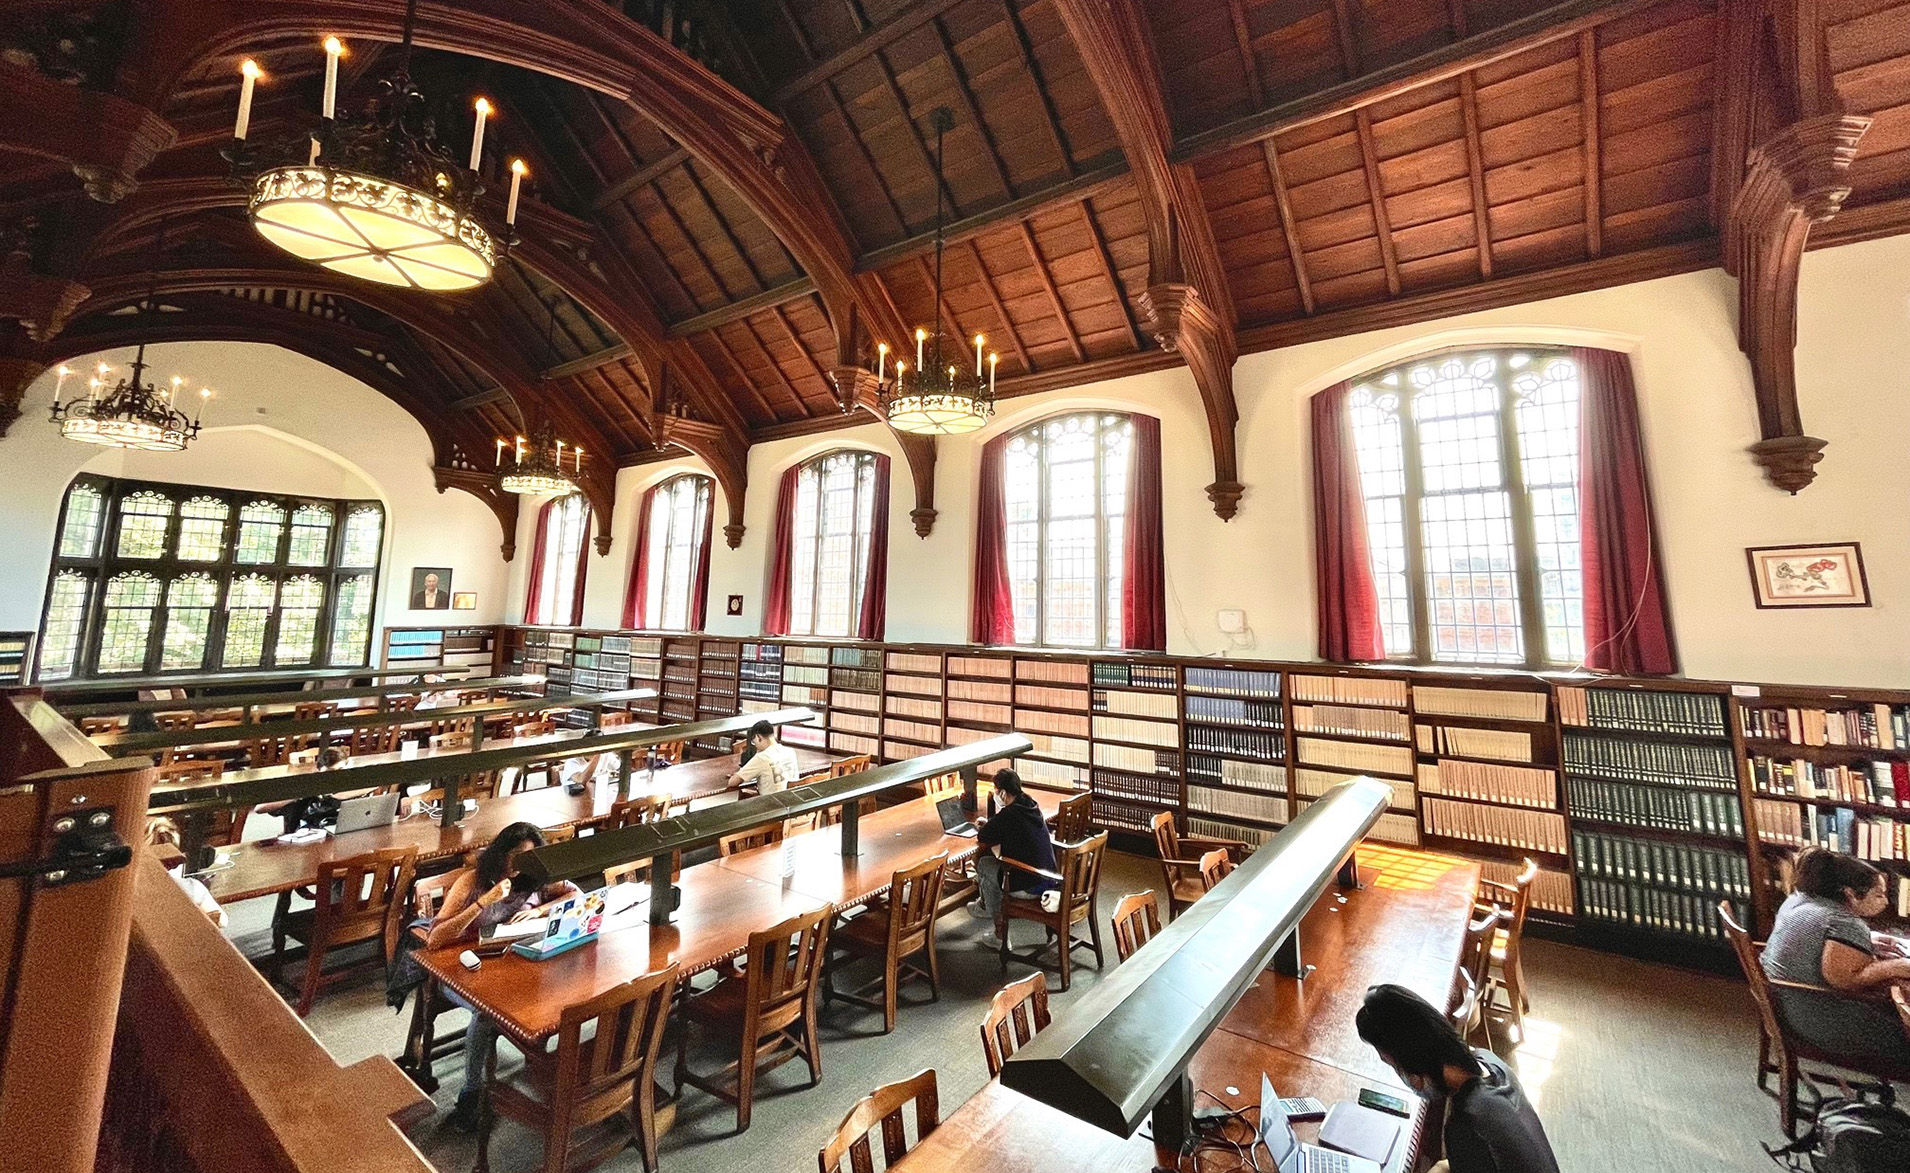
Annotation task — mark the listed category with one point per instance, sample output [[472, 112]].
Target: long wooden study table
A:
[[1404, 925], [724, 901], [259, 870]]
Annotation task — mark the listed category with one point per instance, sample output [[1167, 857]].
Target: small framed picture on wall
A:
[[431, 588], [464, 601], [1809, 576]]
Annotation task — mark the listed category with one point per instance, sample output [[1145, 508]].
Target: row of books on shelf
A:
[[1057, 671], [862, 678], [1698, 713], [1349, 690], [1349, 721], [1551, 891], [1245, 743], [1314, 783], [1868, 727], [13, 655], [1497, 704], [1877, 783], [1151, 788], [1137, 759], [1118, 703], [1208, 828], [1690, 867], [1359, 756], [1118, 674], [1669, 763], [1265, 808], [1523, 830], [1505, 745], [1709, 812], [1836, 827], [1235, 682], [914, 685], [1129, 729], [1640, 907], [1514, 785], [1115, 814], [1218, 771]]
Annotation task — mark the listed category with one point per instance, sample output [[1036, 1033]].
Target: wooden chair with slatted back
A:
[[1018, 1013], [1180, 861], [1078, 871], [670, 751], [94, 726], [1214, 867], [763, 836], [1466, 1004], [314, 711], [1507, 973], [272, 751], [173, 723], [1901, 997], [461, 739], [902, 927], [883, 1108], [587, 1081], [1071, 822], [225, 827], [843, 767], [829, 816], [769, 1012], [631, 812], [357, 900], [943, 786], [424, 1046], [1136, 921]]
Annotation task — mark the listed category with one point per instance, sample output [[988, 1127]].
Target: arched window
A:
[[670, 579], [829, 569], [1054, 547], [557, 562]]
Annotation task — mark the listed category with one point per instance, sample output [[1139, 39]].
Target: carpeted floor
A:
[[1633, 1066]]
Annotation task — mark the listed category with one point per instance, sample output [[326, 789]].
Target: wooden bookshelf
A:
[[428, 648], [16, 648]]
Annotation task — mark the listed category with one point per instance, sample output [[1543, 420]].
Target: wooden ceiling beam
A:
[[1382, 223], [105, 139], [1594, 147], [589, 362], [1289, 226], [1476, 173], [1113, 275], [1055, 303], [1001, 310], [743, 307], [1086, 185], [972, 107], [1556, 23], [874, 39], [1031, 65], [479, 399], [648, 174], [1188, 304]]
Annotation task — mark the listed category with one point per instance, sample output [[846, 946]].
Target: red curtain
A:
[[875, 585], [1347, 600], [782, 535], [533, 594], [700, 586], [639, 590], [1144, 578], [1627, 628], [992, 615], [583, 565]]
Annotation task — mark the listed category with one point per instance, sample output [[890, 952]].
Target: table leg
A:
[[1286, 957], [193, 828], [452, 811], [623, 775], [1172, 1120], [1349, 876]]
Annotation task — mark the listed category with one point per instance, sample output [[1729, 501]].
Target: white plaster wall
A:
[[279, 422]]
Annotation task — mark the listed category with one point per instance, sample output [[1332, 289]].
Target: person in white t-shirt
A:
[[769, 765]]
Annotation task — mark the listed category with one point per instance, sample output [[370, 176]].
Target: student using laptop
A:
[[483, 897], [1018, 831], [769, 765], [1486, 1123]]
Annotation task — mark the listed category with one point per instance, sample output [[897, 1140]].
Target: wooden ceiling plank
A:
[[972, 107], [644, 176], [1588, 101], [769, 360], [1113, 275], [1283, 201], [1243, 41], [729, 233], [590, 383], [1054, 295], [1025, 47], [742, 376], [588, 362], [696, 246], [795, 339], [1050, 199], [1347, 37], [834, 93], [1476, 173], [1544, 27], [1001, 310], [782, 294], [915, 132], [942, 312], [874, 39]]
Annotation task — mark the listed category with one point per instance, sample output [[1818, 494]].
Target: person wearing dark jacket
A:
[[1017, 831], [1484, 1120]]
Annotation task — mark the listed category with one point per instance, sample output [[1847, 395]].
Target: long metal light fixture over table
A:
[[68, 688], [658, 842], [250, 700], [1121, 1051]]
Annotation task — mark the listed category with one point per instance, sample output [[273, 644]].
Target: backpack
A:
[[1851, 1136]]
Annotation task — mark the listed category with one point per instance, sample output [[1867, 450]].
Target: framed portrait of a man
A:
[[431, 588]]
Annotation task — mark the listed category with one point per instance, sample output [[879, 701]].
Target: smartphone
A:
[[1303, 1108], [1383, 1102]]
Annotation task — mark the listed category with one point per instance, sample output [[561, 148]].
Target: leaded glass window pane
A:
[[678, 512], [351, 620], [260, 525], [311, 541], [65, 622], [79, 535], [1547, 414], [143, 518], [1064, 493], [564, 533], [249, 603], [127, 622], [829, 557], [363, 531], [299, 601], [190, 600], [202, 530]]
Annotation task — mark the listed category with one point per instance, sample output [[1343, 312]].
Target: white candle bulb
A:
[[580, 458], [921, 336], [518, 171], [978, 355], [248, 75], [334, 49], [500, 452], [477, 136], [560, 454], [881, 360], [312, 159], [59, 383], [992, 360], [174, 389], [900, 367], [520, 450], [103, 368]]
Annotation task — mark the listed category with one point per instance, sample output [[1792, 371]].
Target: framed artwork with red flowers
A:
[[1809, 576]]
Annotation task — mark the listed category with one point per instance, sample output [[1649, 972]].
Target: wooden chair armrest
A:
[[1212, 844], [1881, 997], [1181, 863], [1030, 870]]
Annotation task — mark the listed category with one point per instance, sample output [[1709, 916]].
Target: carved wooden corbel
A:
[[484, 486], [1181, 321], [107, 139], [920, 451], [1798, 177], [727, 457]]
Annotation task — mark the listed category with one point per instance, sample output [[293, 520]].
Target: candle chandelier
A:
[[133, 414], [938, 396], [537, 468], [375, 197]]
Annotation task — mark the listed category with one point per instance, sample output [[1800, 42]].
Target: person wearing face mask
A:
[[1486, 1125], [1820, 938]]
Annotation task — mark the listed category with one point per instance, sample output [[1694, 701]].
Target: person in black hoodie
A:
[[1017, 831], [1485, 1122]]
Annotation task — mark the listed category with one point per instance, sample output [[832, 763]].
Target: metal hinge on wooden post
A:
[[86, 848]]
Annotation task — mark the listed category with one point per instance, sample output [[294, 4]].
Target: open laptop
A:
[[360, 814], [954, 822], [1283, 1144], [567, 924]]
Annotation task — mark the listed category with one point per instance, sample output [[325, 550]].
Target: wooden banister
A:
[[211, 1070]]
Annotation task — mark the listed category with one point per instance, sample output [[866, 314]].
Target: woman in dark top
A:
[[1820, 938], [1486, 1123], [1018, 831]]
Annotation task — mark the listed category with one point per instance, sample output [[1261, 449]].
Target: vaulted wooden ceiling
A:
[[724, 218]]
